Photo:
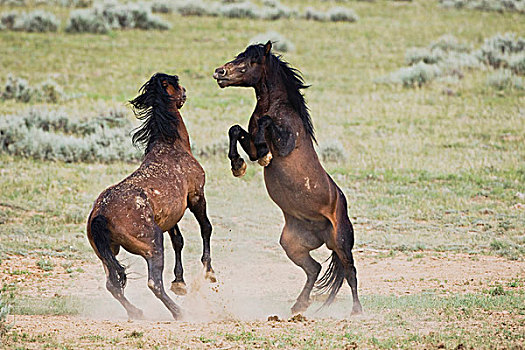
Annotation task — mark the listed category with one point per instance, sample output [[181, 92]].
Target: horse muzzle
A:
[[220, 76]]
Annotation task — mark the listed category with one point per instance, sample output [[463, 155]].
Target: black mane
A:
[[292, 78], [153, 106]]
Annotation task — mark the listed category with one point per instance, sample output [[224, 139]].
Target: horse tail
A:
[[332, 279], [101, 239]]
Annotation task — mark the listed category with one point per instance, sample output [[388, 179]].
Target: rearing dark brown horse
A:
[[280, 136], [135, 213]]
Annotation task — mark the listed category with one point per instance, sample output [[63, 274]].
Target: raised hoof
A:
[[135, 314], [264, 161], [241, 171], [179, 288], [210, 276], [300, 306], [177, 314], [357, 309]]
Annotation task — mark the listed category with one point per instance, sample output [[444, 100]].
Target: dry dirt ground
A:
[[233, 312]]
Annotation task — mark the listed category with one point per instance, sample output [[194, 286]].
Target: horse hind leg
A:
[[351, 277], [116, 288], [155, 261], [115, 272], [178, 286], [197, 206], [344, 243], [300, 255]]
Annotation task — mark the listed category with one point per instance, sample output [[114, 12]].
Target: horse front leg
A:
[[282, 139], [238, 134], [238, 164]]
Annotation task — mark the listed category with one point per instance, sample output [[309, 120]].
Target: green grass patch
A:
[[57, 305]]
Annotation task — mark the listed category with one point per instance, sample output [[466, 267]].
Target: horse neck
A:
[[184, 138], [269, 90]]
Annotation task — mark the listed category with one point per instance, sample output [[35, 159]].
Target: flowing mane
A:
[[153, 106], [292, 79]]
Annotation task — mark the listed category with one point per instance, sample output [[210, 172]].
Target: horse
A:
[[135, 213], [281, 138]]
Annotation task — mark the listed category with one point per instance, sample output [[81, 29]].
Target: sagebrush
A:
[[18, 89], [447, 57], [37, 21], [107, 16], [280, 43]]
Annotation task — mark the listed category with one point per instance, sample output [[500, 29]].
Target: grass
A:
[[422, 169]]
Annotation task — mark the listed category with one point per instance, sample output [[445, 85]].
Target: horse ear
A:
[[267, 48]]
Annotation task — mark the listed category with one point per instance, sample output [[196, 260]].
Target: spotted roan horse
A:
[[135, 213], [280, 136]]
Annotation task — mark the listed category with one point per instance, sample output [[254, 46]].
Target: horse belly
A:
[[169, 212], [304, 197]]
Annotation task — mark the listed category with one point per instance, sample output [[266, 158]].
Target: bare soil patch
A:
[[251, 292], [233, 313]]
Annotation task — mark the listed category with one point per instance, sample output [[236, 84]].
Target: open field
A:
[[434, 177]]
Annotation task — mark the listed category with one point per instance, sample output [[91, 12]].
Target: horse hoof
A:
[[177, 314], [299, 307], [135, 314], [210, 276], [357, 309], [241, 171], [264, 161], [179, 288]]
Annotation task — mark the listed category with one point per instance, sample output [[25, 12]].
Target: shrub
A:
[[74, 3], [55, 135], [104, 17], [499, 50], [440, 50], [415, 75], [342, 14], [197, 8], [332, 152], [449, 57], [36, 21], [312, 14], [335, 14], [274, 10], [504, 79], [65, 3], [240, 10], [486, 5], [50, 91], [448, 43], [279, 42], [8, 19], [13, 2], [517, 63], [417, 54], [162, 6], [81, 21], [18, 89]]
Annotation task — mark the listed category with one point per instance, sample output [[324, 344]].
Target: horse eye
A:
[[243, 70]]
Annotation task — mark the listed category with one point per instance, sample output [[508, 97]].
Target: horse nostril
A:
[[219, 72]]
